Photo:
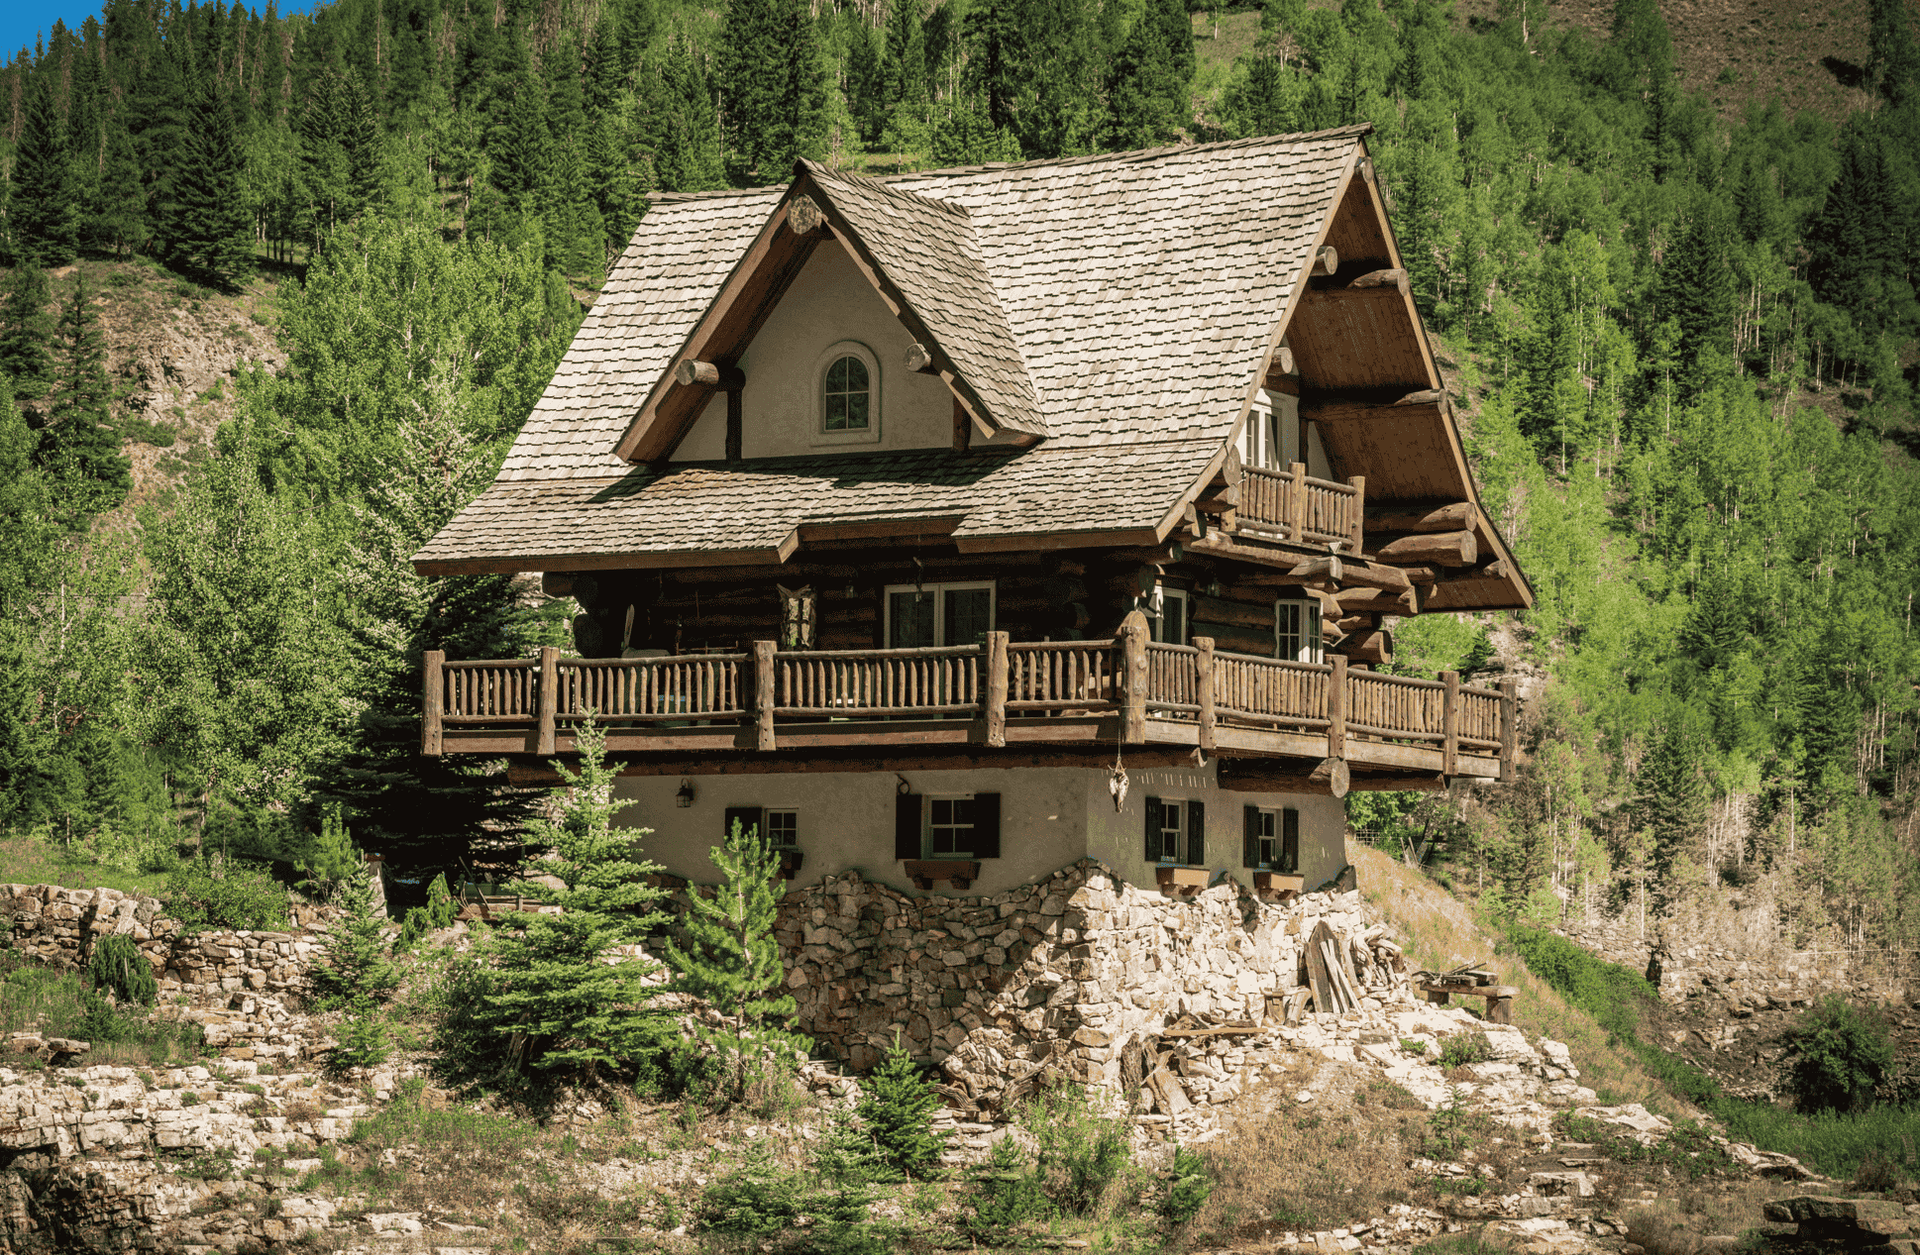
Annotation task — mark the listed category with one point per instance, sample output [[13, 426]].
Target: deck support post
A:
[[549, 699], [1337, 708], [434, 695], [1509, 726], [1133, 679], [1357, 536], [1450, 725], [1297, 504], [996, 696], [763, 694], [1205, 682]]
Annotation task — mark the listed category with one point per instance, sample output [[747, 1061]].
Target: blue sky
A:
[[23, 21]]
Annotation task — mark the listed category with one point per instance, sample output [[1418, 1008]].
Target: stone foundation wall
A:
[[60, 926], [1067, 975]]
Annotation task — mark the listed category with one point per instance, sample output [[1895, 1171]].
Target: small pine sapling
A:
[[1188, 1187], [331, 862], [441, 908], [847, 1163], [362, 1039], [356, 964], [730, 958], [897, 1106]]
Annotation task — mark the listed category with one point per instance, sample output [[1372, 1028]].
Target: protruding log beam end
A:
[[1421, 517], [1395, 278], [805, 216], [1445, 549], [1325, 262], [710, 375], [919, 359]]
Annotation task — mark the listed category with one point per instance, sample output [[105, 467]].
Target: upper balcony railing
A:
[[1294, 506], [1126, 688]]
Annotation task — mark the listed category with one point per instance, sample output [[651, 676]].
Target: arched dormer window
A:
[[847, 395]]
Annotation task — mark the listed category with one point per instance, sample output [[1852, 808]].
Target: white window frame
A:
[[818, 382], [926, 826], [766, 821], [940, 592], [1301, 641], [1275, 815], [1261, 443], [1177, 807], [1162, 594]]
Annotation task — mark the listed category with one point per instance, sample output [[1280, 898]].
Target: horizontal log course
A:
[[1331, 777], [1445, 549], [1153, 555], [1235, 639], [1341, 407], [694, 373], [1370, 646], [1386, 782], [1215, 500], [1358, 623], [1235, 613], [1421, 516]]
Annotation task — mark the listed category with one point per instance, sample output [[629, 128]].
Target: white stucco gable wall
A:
[[829, 302]]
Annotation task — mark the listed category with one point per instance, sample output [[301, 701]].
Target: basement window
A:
[[1176, 832], [1272, 839]]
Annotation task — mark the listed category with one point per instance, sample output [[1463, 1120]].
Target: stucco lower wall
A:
[[1049, 817]]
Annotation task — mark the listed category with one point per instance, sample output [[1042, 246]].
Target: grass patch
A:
[[58, 1003], [36, 859]]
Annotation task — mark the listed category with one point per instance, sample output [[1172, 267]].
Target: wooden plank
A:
[[1318, 979], [432, 703], [1208, 683], [1422, 516], [1297, 504], [1450, 723], [1337, 708], [932, 530], [996, 704], [657, 559], [549, 698]]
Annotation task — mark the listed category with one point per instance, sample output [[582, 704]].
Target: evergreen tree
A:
[[896, 1107], [80, 447], [1672, 804], [904, 76], [773, 87], [680, 125], [866, 84], [44, 208], [1696, 287], [1893, 59], [557, 1005], [25, 326], [209, 225], [357, 950]]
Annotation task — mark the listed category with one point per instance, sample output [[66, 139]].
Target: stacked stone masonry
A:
[[1745, 982]]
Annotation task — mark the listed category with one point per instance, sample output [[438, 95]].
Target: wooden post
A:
[[996, 689], [1357, 536], [433, 691], [1509, 729], [1337, 708], [736, 424], [549, 699], [1450, 725], [763, 693], [1133, 669], [1297, 504], [1204, 679]]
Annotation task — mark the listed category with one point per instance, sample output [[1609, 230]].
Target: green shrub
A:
[[1461, 1049], [1837, 1057], [1081, 1151], [757, 1200], [1188, 1189], [118, 965], [897, 1107], [356, 955], [1413, 1046], [1006, 1191], [238, 895]]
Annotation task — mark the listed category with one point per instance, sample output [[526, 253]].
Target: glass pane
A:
[[856, 408], [836, 412], [910, 620], [969, 615], [837, 375], [1174, 622], [1286, 622]]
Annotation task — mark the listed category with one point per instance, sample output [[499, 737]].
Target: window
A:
[[1261, 443], [797, 617], [846, 395], [783, 829], [938, 614], [952, 825], [1296, 629], [845, 405], [1169, 615], [1176, 832], [1272, 839]]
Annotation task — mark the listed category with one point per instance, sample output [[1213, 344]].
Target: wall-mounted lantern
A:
[[684, 797]]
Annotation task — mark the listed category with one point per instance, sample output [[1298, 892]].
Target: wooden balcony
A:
[[1002, 693], [1292, 505]]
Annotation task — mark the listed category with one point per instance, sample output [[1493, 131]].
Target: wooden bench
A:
[[1499, 998]]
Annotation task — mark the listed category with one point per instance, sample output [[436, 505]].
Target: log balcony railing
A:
[[1292, 505], [994, 694]]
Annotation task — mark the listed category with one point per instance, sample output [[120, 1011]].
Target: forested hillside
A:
[[1686, 346]]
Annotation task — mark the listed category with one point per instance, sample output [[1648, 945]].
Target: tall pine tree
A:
[[209, 225], [44, 208], [80, 448]]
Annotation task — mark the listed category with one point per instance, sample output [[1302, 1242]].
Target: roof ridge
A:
[[864, 182], [882, 181]]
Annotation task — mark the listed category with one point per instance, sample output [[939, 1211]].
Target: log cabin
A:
[[955, 526]]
